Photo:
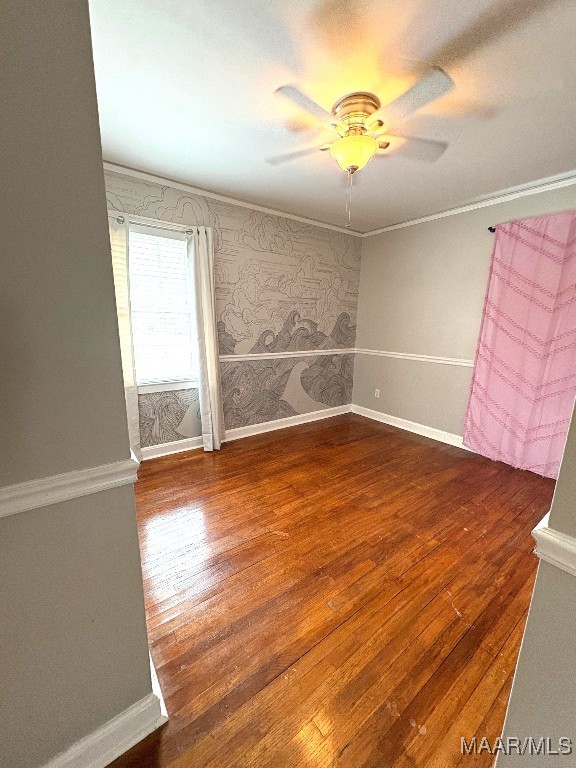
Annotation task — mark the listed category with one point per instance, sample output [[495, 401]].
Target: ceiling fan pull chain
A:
[[349, 199]]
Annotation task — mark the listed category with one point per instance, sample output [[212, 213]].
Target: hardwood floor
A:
[[336, 594]]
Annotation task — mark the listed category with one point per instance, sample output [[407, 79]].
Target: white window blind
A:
[[161, 306]]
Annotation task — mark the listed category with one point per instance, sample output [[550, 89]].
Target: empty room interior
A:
[[288, 353]]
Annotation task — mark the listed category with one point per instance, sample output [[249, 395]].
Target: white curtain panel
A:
[[201, 265], [118, 227]]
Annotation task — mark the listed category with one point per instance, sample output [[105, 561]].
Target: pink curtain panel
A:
[[524, 381]]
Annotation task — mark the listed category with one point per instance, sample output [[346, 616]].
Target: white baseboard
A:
[[115, 737], [411, 426], [289, 421], [555, 547], [156, 689], [166, 449]]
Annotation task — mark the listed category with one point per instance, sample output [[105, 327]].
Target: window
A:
[[161, 306]]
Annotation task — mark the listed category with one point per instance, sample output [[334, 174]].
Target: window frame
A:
[[168, 385]]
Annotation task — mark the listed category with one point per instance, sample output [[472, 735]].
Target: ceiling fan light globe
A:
[[353, 152]]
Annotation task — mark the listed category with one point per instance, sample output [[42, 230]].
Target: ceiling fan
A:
[[365, 128]]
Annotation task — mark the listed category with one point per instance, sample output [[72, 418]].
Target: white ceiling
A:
[[186, 91]]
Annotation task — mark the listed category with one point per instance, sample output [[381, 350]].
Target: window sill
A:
[[167, 386]]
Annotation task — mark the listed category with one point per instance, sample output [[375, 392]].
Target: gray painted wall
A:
[[563, 512], [543, 698], [407, 387], [422, 292], [61, 397], [73, 648]]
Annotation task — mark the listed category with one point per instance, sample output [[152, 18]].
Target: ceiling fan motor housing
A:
[[351, 112]]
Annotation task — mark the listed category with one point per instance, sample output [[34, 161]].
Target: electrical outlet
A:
[[376, 393]]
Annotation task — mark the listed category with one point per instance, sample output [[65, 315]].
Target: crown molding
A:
[[144, 176], [512, 193]]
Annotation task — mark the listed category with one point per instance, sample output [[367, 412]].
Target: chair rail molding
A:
[[422, 358], [348, 351], [555, 547], [34, 494], [271, 355]]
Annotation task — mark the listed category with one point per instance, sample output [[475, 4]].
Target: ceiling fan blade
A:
[[431, 86], [426, 150], [288, 156], [303, 101], [375, 127], [489, 26]]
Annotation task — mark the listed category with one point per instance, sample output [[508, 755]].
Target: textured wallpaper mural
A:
[[168, 416], [281, 286], [273, 388]]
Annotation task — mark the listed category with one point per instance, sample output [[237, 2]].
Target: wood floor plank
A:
[[336, 594]]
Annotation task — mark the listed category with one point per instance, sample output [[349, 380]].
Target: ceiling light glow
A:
[[353, 152]]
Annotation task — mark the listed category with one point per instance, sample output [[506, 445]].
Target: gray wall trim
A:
[[69, 485]]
